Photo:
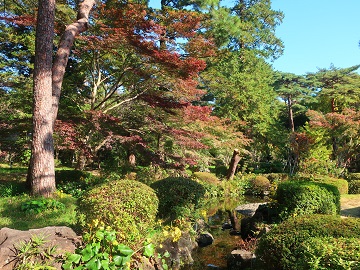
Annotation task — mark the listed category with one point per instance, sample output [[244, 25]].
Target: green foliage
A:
[[330, 253], [13, 217], [75, 182], [276, 177], [341, 184], [34, 254], [302, 198], [40, 205], [178, 196], [354, 187], [353, 176], [150, 174], [235, 187], [291, 243], [206, 177], [258, 185], [102, 252], [128, 206], [14, 188]]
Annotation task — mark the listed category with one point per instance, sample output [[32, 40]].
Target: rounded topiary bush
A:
[[177, 196], [127, 206], [291, 244], [301, 198], [207, 177], [259, 185]]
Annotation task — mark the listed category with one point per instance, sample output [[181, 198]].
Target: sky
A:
[[316, 34]]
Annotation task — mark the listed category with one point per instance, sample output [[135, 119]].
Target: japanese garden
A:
[[155, 138]]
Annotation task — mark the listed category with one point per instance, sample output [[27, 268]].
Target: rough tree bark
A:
[[233, 164], [41, 173], [48, 78]]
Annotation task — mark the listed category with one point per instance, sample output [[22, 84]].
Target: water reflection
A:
[[215, 255]]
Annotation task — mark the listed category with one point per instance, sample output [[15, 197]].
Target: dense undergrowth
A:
[[138, 214]]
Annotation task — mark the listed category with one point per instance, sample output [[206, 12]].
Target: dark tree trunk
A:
[[41, 173], [48, 79], [233, 164]]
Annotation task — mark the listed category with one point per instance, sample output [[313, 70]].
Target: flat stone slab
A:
[[248, 209]]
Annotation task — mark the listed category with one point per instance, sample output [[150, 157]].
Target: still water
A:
[[215, 256]]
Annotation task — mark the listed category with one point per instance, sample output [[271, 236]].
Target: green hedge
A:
[[178, 196], [302, 198], [354, 187], [353, 176], [127, 206], [341, 184], [297, 242]]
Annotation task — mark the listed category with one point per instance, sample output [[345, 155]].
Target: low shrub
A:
[[277, 177], [177, 196], [150, 174], [341, 184], [206, 177], [330, 253], [63, 176], [302, 198], [354, 187], [37, 206], [221, 170], [75, 182], [12, 188], [259, 185], [236, 187], [102, 251], [353, 176], [128, 206], [293, 243]]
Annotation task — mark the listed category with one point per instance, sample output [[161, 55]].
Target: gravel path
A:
[[350, 206]]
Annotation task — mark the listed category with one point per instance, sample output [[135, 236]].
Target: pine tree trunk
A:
[[233, 164], [48, 80], [41, 173], [291, 116]]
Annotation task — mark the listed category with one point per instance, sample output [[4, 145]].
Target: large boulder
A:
[[64, 238]]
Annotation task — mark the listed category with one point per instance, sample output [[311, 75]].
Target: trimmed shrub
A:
[[353, 176], [259, 185], [354, 187], [177, 196], [341, 184], [291, 244], [330, 253], [302, 198], [276, 177], [129, 207], [207, 177]]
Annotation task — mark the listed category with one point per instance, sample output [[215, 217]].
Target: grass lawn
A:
[[12, 216]]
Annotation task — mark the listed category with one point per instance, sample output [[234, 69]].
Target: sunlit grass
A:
[[12, 216]]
